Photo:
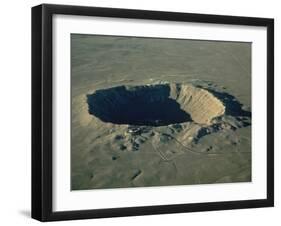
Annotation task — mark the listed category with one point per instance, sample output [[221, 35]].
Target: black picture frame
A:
[[42, 111]]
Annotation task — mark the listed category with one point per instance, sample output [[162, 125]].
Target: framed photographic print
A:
[[145, 112]]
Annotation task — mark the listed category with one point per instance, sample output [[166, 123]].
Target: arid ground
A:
[[159, 112]]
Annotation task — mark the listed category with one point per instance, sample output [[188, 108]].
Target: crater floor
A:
[[155, 105]]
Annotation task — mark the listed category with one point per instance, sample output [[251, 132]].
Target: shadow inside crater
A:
[[139, 105]]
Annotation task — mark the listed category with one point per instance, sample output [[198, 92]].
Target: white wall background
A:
[[15, 111]]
